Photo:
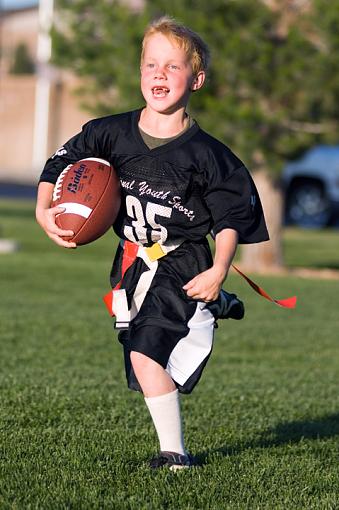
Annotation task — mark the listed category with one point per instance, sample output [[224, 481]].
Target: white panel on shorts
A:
[[191, 350], [141, 289], [74, 208]]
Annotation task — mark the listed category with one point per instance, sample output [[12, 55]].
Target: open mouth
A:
[[160, 91]]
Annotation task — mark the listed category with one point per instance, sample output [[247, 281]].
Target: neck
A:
[[162, 125]]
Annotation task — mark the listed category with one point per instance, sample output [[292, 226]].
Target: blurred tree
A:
[[100, 42], [273, 85], [22, 61]]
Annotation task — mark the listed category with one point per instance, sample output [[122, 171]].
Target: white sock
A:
[[165, 413]]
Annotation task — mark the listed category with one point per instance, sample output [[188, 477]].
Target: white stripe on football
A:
[[103, 161], [74, 208]]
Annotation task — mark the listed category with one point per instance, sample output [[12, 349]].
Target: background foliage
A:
[[273, 87], [23, 62]]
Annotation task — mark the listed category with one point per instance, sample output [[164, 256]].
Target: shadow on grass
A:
[[284, 433], [326, 265]]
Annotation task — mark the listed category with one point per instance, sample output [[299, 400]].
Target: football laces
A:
[[58, 184]]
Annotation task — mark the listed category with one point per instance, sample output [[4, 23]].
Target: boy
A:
[[178, 183]]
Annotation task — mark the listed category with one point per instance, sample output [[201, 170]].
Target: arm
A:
[[206, 285], [45, 215]]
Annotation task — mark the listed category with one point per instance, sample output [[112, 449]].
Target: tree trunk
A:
[[266, 257]]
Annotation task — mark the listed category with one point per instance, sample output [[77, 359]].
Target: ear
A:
[[198, 81]]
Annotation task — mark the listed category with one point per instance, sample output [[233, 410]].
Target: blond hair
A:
[[195, 48]]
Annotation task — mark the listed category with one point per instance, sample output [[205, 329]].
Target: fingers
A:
[[192, 288], [190, 284], [202, 289], [62, 242], [59, 232], [203, 296], [55, 233], [54, 229]]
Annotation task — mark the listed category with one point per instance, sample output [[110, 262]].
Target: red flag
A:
[[129, 256], [285, 303]]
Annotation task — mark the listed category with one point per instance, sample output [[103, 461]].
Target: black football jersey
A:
[[177, 192]]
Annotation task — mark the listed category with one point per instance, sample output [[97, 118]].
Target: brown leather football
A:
[[89, 190]]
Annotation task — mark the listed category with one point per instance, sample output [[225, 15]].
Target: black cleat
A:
[[227, 306], [173, 461]]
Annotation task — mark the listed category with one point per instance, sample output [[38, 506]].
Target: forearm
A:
[[44, 199], [46, 216], [226, 243], [206, 285]]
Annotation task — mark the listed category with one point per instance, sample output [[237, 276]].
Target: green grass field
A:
[[263, 421]]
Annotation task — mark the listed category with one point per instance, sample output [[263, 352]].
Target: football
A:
[[89, 190]]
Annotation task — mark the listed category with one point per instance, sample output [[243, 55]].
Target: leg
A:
[[162, 400], [152, 377]]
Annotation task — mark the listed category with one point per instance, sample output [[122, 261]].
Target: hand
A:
[[206, 285], [46, 219]]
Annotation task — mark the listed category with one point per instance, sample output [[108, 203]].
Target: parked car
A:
[[311, 186]]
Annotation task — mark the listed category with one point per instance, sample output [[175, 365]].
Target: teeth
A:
[[160, 91]]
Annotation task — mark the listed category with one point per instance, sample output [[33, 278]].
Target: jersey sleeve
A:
[[233, 201], [82, 145]]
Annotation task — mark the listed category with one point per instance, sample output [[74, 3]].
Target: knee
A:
[[152, 377]]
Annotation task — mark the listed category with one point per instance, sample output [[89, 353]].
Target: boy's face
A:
[[166, 75]]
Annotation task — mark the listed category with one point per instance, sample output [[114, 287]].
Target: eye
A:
[[173, 66], [149, 65]]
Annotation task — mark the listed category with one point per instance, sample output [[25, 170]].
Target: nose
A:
[[160, 73]]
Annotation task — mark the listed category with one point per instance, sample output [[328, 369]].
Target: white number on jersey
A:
[[138, 231]]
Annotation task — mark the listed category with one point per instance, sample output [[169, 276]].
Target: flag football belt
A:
[[116, 300]]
